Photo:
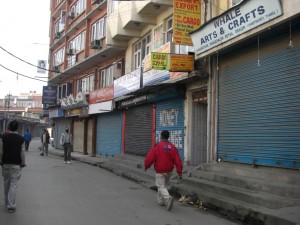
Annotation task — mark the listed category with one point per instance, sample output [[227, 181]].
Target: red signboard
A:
[[101, 95]]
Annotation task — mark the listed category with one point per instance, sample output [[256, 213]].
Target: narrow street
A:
[[52, 193]]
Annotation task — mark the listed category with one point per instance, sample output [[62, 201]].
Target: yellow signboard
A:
[[181, 62], [187, 18], [159, 61]]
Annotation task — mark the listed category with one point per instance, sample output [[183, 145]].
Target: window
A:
[[86, 84], [169, 30], [99, 29], [78, 7], [109, 74], [141, 49], [64, 90], [113, 6], [78, 43], [158, 34], [58, 57], [60, 23]]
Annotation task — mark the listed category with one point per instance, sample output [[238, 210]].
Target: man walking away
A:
[[67, 143], [12, 161], [164, 156], [27, 138], [45, 141]]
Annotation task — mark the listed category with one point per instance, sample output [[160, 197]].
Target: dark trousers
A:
[[67, 151], [27, 145]]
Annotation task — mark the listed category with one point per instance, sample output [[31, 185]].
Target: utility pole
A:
[[6, 111]]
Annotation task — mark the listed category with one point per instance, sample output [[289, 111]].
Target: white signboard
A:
[[127, 83], [238, 20], [102, 107]]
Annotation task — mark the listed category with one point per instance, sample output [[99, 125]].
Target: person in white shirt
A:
[[67, 143]]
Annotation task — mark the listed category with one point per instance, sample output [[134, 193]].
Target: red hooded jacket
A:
[[164, 156]]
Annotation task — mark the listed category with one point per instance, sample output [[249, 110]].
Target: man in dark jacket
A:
[[13, 159], [45, 142], [164, 156]]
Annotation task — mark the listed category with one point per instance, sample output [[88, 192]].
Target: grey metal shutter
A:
[[138, 130], [170, 116], [78, 136], [109, 133], [259, 106]]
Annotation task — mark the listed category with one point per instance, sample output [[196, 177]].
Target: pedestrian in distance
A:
[[27, 138], [66, 141], [45, 141], [164, 156], [12, 159]]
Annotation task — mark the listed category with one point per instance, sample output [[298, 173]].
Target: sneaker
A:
[[69, 162], [11, 210], [42, 154], [170, 203], [65, 162]]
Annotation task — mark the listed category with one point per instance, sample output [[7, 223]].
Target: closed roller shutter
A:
[[259, 106], [109, 134], [138, 130], [170, 116], [78, 136]]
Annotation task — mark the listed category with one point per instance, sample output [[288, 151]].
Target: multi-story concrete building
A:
[[26, 108], [100, 54]]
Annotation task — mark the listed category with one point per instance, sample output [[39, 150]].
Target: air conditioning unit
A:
[[70, 51], [57, 35], [71, 15], [97, 1], [55, 69], [96, 44]]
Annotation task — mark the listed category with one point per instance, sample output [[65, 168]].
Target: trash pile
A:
[[192, 200]]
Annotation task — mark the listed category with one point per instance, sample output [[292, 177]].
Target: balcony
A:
[[116, 30], [153, 7], [132, 20]]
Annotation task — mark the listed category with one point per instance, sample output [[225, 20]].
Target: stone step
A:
[[236, 209], [279, 175], [271, 187], [254, 197]]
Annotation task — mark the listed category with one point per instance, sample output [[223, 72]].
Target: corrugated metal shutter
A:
[[170, 116], [109, 133], [78, 136], [259, 106], [90, 136], [138, 130]]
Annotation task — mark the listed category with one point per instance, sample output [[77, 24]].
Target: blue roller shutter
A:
[[138, 130], [259, 106], [109, 134], [170, 116]]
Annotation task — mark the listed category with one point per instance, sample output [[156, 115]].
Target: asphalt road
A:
[[52, 193]]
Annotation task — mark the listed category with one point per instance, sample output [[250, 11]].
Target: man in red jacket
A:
[[164, 156]]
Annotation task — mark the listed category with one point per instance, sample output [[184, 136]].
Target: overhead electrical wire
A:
[[19, 74]]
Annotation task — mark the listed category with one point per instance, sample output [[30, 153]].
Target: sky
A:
[[24, 33]]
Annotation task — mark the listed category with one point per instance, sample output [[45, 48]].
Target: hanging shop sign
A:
[[187, 18], [181, 62], [159, 61], [166, 48], [232, 23], [172, 62], [101, 95], [49, 95], [127, 83]]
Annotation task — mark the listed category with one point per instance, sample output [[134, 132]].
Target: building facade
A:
[[116, 102]]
